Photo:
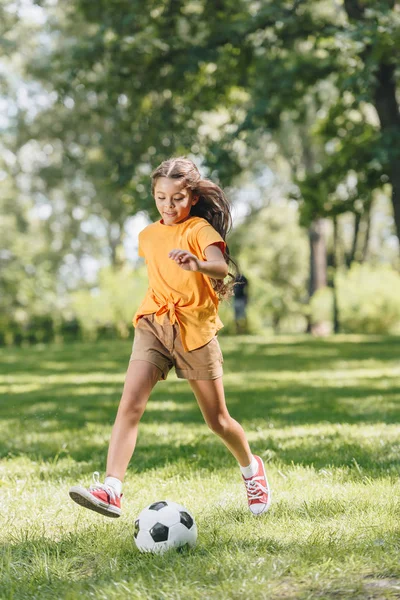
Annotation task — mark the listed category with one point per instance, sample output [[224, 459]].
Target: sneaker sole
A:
[[268, 504], [85, 499]]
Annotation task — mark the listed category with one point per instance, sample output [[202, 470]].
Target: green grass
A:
[[324, 416]]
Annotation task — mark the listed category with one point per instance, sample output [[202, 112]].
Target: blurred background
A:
[[293, 107]]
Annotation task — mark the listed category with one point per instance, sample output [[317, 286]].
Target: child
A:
[[176, 325]]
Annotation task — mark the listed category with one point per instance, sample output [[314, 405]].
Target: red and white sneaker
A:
[[99, 497], [257, 488]]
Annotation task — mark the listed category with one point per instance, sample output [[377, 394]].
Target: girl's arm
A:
[[214, 267]]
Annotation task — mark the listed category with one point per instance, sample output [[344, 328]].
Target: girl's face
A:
[[173, 201]]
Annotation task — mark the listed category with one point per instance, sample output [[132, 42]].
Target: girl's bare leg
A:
[[211, 399], [140, 379]]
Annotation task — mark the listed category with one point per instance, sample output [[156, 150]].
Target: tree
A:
[[129, 75]]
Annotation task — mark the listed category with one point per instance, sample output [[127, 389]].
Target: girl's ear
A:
[[195, 200]]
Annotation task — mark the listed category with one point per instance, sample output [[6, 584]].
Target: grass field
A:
[[324, 416]]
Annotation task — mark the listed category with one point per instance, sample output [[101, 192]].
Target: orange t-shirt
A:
[[187, 296]]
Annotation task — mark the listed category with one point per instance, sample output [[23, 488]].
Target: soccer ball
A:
[[164, 525]]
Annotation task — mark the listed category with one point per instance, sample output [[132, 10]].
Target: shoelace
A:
[[254, 488], [102, 486]]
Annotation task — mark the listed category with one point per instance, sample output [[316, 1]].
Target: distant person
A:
[[241, 297], [176, 325]]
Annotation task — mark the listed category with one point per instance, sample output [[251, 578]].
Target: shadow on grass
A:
[[311, 354], [244, 352], [68, 408], [84, 357]]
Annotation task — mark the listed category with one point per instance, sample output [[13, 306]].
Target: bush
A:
[[108, 310], [273, 252], [368, 299], [32, 330]]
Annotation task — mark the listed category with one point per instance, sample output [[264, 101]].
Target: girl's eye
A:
[[176, 199]]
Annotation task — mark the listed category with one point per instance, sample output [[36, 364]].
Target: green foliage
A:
[[369, 299], [272, 251], [138, 87], [112, 304], [129, 83], [355, 165], [226, 315], [30, 305]]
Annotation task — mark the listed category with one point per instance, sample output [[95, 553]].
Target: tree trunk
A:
[[395, 180], [115, 238], [367, 235], [350, 258], [389, 116], [316, 234], [336, 325], [318, 264]]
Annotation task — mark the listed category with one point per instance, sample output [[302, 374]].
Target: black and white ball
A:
[[164, 525]]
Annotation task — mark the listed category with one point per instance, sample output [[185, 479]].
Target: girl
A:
[[176, 325]]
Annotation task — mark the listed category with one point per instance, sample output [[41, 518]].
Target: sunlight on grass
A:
[[322, 414]]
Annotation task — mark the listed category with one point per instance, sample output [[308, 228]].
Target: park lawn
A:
[[322, 413]]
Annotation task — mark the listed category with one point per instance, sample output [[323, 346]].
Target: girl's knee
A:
[[132, 408], [220, 424]]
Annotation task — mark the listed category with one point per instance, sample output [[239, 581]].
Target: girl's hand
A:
[[185, 260]]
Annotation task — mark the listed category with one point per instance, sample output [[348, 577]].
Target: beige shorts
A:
[[162, 346]]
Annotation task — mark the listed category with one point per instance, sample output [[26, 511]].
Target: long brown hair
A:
[[212, 205]]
